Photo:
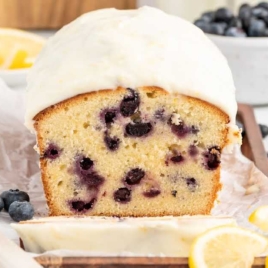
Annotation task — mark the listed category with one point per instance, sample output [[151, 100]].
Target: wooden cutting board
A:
[[130, 262], [252, 148]]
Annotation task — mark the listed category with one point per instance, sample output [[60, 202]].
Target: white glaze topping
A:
[[156, 236], [109, 48]]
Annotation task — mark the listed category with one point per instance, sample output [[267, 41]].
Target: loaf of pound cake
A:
[[132, 110]]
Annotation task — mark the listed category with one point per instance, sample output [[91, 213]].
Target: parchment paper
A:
[[244, 186]]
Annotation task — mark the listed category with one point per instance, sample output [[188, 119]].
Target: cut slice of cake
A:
[[132, 110], [160, 236]]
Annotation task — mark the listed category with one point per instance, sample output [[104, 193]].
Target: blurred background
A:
[[44, 14]]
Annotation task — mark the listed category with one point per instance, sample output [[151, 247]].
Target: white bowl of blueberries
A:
[[243, 39]]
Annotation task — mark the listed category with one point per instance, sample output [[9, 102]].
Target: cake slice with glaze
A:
[[132, 110]]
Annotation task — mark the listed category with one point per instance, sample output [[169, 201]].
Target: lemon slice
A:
[[18, 49], [228, 247], [260, 218]]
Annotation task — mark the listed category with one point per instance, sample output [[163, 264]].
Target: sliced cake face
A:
[[131, 152]]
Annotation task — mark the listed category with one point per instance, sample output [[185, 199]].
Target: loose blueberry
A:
[[122, 195], [245, 15], [213, 157], [1, 204], [152, 193], [256, 28], [223, 15], [235, 32], [13, 195], [203, 25], [138, 130], [130, 103], [111, 143], [81, 205], [134, 176], [177, 159], [191, 184], [174, 193], [264, 130], [21, 211], [52, 152], [86, 163], [92, 179], [236, 22], [208, 16], [263, 5], [193, 151], [260, 12], [218, 28]]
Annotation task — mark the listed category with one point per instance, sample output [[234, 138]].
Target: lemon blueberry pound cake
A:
[[132, 110]]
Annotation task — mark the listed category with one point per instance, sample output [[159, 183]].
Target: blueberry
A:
[[223, 15], [235, 32], [203, 25], [174, 193], [1, 204], [218, 28], [13, 195], [92, 179], [182, 130], [130, 103], [52, 152], [177, 159], [263, 5], [193, 151], [21, 211], [134, 176], [191, 184], [86, 163], [245, 16], [264, 130], [81, 205], [208, 16], [152, 193], [212, 157], [235, 22], [256, 28], [110, 116], [138, 130], [111, 143], [122, 195], [259, 12]]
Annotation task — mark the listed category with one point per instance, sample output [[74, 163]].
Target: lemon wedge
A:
[[18, 49], [228, 247], [259, 217]]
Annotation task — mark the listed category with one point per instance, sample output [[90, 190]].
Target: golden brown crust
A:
[[67, 104]]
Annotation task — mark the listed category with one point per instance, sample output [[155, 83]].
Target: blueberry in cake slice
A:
[[132, 110]]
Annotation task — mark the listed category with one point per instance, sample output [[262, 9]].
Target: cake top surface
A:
[[108, 48]]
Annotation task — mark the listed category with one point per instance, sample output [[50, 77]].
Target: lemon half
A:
[[228, 247], [18, 49]]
